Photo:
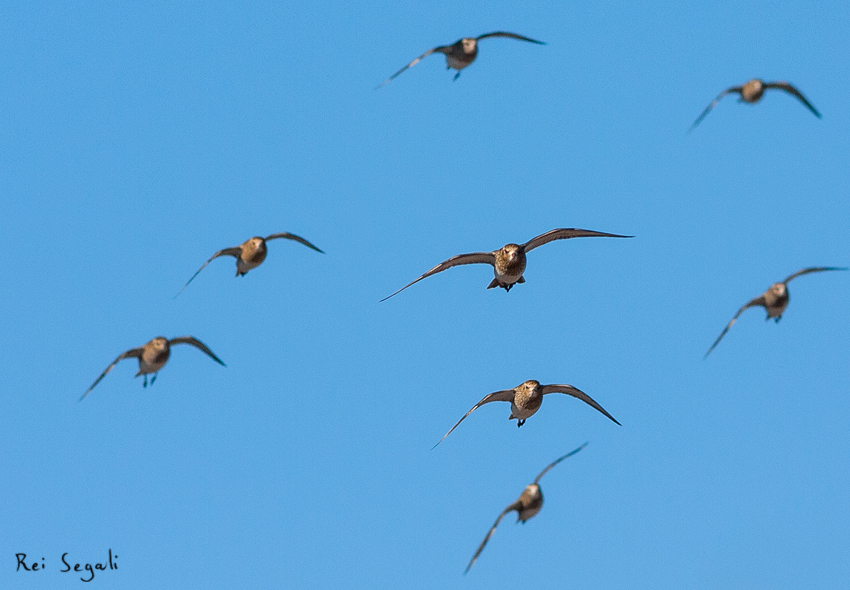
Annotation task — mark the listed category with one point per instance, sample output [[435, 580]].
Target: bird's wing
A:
[[236, 251], [515, 506], [289, 236], [197, 344], [565, 233], [577, 393], [806, 271], [475, 258], [506, 395], [713, 103], [510, 35], [760, 300], [558, 460], [413, 63], [133, 352], [791, 90]]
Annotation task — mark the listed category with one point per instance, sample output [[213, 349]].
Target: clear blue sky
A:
[[135, 141]]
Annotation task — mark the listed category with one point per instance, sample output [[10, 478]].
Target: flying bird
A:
[[752, 91], [508, 262], [527, 505], [774, 300], [460, 54], [526, 399], [250, 254], [153, 356]]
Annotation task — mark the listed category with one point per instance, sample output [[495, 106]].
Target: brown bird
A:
[[153, 356], [526, 399], [250, 254], [527, 505], [508, 262], [774, 300], [461, 53], [751, 92]]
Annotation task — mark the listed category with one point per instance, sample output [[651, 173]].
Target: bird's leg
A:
[[508, 288], [777, 319], [154, 377], [145, 384], [519, 423], [456, 76]]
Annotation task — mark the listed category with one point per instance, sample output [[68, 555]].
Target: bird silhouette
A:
[[527, 505], [774, 300], [250, 254], [751, 92], [509, 261], [526, 399], [153, 356], [461, 53]]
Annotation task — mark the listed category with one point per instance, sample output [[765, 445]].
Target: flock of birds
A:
[[509, 264]]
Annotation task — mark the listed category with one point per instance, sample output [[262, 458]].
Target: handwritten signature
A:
[[35, 566]]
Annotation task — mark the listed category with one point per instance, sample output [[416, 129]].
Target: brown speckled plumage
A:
[[774, 300], [526, 399], [250, 254], [153, 356], [509, 261], [528, 504], [751, 93], [461, 53]]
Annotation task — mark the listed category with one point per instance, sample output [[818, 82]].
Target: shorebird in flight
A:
[[774, 300], [527, 505], [526, 399], [462, 53], [153, 356], [508, 262], [752, 92], [250, 254]]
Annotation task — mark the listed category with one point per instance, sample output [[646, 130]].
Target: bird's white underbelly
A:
[[520, 413], [145, 367], [508, 279], [244, 266], [775, 312], [528, 513], [456, 63]]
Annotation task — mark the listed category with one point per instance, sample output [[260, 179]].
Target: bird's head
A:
[[755, 84], [512, 251], [533, 491], [159, 343], [778, 289], [530, 386]]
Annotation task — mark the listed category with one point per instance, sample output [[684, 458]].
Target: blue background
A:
[[136, 141]]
